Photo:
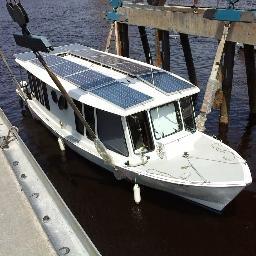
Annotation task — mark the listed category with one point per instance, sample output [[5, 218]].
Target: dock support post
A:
[[184, 40], [158, 38], [162, 49], [251, 77], [122, 39], [166, 50], [227, 82], [145, 44]]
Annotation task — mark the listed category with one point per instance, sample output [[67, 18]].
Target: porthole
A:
[[54, 96], [62, 103]]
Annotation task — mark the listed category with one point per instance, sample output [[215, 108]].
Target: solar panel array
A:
[[119, 64], [166, 82], [121, 95], [102, 85], [96, 83]]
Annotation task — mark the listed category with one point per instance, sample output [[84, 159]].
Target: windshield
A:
[[166, 120]]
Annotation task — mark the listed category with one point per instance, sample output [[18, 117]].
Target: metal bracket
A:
[[113, 15], [27, 40]]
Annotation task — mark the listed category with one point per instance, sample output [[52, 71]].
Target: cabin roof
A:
[[106, 81]]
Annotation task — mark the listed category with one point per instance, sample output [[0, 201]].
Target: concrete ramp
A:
[[34, 220]]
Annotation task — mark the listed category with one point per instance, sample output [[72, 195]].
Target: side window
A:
[[89, 117], [140, 131], [79, 125], [39, 89], [45, 94], [187, 111], [111, 132]]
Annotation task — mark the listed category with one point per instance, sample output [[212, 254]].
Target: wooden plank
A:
[[182, 19]]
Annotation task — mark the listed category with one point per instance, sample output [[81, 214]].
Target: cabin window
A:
[[45, 93], [140, 131], [62, 103], [54, 96], [111, 132], [187, 111], [89, 117], [39, 89], [166, 120], [79, 124]]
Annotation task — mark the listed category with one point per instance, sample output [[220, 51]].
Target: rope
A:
[[14, 79], [108, 44], [9, 138], [214, 82]]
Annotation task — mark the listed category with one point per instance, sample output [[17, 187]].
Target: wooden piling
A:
[[165, 50], [158, 43], [162, 49], [122, 39], [227, 81], [251, 76], [184, 40], [145, 44]]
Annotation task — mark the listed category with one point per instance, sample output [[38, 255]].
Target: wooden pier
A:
[[186, 21]]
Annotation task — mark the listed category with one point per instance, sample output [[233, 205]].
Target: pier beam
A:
[[251, 76], [182, 19], [122, 39], [184, 40], [145, 44], [227, 82]]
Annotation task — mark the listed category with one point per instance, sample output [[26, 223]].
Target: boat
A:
[[144, 117]]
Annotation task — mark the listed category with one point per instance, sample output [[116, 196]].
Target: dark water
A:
[[162, 224]]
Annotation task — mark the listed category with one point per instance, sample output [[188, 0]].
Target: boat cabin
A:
[[132, 107], [143, 115]]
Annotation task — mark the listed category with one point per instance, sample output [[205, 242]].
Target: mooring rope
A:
[[13, 77], [9, 138]]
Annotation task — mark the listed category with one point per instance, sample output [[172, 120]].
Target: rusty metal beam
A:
[[182, 19]]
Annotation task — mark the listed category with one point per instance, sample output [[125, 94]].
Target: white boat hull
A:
[[211, 197]]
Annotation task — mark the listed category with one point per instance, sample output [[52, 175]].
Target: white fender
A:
[[136, 193]]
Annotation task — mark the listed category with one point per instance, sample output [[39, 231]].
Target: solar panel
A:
[[121, 95], [67, 48], [89, 79], [67, 68], [166, 82], [25, 56], [119, 64], [92, 81], [51, 60]]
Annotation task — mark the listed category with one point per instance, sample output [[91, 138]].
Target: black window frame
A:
[[148, 133]]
